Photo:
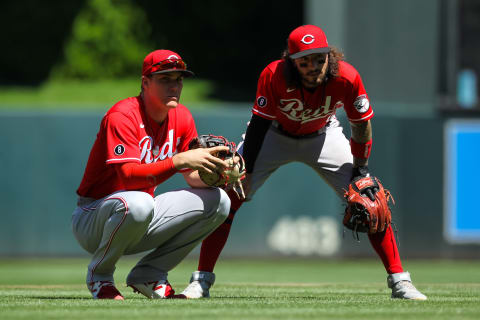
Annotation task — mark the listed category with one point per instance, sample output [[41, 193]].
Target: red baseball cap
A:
[[163, 61], [306, 40]]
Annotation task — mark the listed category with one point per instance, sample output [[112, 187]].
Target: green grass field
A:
[[246, 289], [90, 95]]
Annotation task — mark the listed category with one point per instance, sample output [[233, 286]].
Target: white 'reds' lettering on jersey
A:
[[166, 151], [294, 110]]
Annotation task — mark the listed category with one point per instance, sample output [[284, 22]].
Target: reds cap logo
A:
[[261, 101], [308, 39], [119, 149]]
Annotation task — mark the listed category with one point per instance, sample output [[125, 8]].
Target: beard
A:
[[311, 81]]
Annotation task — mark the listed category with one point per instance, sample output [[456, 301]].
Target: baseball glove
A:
[[232, 175], [367, 206]]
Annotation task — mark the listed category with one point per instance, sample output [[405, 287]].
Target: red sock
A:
[[213, 245], [386, 247]]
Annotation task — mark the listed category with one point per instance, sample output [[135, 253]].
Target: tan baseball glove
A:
[[232, 175]]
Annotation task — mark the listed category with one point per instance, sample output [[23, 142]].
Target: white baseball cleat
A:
[[104, 290], [200, 284], [160, 289], [402, 287]]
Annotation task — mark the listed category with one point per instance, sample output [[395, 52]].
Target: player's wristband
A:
[[361, 150]]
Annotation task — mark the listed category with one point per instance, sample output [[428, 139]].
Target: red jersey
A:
[[301, 111], [127, 134]]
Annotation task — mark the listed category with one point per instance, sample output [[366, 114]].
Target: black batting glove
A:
[[360, 172]]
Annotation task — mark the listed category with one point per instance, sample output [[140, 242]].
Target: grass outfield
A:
[[90, 95], [246, 289]]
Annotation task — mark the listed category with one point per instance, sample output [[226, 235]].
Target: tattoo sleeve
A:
[[361, 133]]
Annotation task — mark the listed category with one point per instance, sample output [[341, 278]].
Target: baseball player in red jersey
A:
[[294, 120], [142, 142]]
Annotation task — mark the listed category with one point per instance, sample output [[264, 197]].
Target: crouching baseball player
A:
[[142, 142], [294, 120]]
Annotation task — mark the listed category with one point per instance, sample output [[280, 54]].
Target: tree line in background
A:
[[226, 42]]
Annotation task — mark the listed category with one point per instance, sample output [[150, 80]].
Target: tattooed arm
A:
[[361, 133]]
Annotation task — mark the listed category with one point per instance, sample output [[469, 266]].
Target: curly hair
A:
[[293, 77]]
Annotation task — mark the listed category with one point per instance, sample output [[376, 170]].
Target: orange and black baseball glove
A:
[[367, 206]]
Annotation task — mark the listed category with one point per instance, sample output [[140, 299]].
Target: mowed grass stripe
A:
[[246, 289]]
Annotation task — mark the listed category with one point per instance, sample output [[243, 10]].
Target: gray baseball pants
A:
[[328, 153], [130, 222]]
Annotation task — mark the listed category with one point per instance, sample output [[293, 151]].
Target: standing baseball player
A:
[[294, 120], [142, 142]]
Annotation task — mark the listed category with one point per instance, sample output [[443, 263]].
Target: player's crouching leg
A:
[[216, 206], [216, 210], [129, 214], [201, 211], [140, 206], [223, 208]]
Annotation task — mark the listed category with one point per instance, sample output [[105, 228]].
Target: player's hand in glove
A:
[[225, 177], [201, 159], [367, 205], [362, 172]]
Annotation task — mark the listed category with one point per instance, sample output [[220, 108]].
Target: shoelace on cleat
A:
[[407, 284]]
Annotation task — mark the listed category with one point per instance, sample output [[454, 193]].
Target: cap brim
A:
[[310, 51], [187, 73]]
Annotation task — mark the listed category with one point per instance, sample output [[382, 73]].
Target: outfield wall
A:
[[295, 213]]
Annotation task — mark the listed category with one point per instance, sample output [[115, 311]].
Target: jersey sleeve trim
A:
[[121, 160], [263, 115], [365, 118]]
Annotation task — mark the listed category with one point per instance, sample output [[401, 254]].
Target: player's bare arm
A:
[[200, 159], [193, 179], [361, 133]]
